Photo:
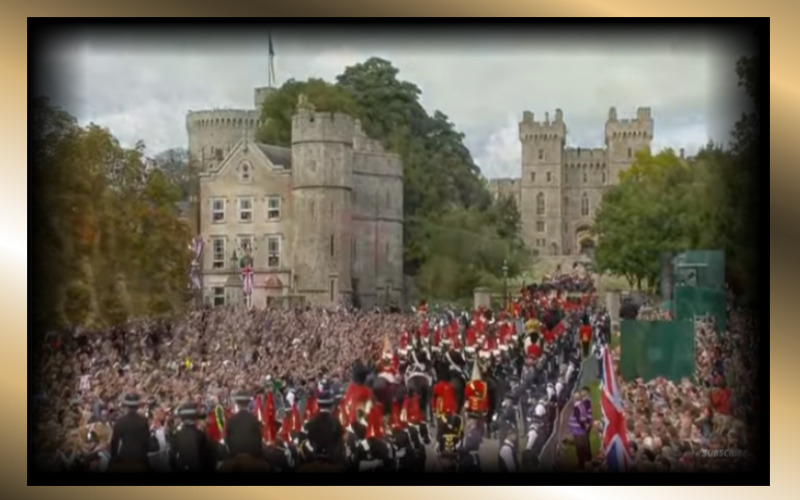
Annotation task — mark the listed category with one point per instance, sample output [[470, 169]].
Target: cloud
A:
[[143, 90]]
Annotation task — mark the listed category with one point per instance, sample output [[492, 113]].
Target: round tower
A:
[[213, 133], [541, 184], [322, 184]]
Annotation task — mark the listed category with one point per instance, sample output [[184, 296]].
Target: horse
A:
[[419, 380], [386, 391], [453, 363]]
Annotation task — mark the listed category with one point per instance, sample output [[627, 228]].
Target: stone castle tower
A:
[[322, 219], [560, 188]]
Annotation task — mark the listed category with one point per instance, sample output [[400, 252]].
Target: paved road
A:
[[488, 455]]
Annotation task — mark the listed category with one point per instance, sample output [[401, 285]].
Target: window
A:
[[244, 173], [218, 211], [585, 178], [333, 290], [245, 210], [539, 226], [273, 207], [332, 249], [604, 177], [218, 154], [218, 295], [630, 152], [273, 251], [565, 208], [244, 243], [533, 176], [584, 205], [540, 204], [217, 252], [541, 154], [548, 176]]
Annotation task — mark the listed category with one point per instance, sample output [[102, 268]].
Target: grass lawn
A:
[[569, 459]]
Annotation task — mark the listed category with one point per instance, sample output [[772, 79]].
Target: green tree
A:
[[110, 240], [652, 210], [280, 106]]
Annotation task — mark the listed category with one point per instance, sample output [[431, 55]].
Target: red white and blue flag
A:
[[247, 279], [615, 433]]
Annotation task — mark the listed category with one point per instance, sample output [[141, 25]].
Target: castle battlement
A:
[[579, 156], [308, 126], [532, 130], [641, 126], [223, 118]]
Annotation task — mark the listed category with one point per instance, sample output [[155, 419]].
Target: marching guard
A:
[[324, 443], [192, 451], [131, 440], [243, 437]]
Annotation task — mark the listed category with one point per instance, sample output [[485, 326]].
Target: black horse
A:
[[418, 378]]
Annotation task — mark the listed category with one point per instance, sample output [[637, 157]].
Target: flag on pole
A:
[[615, 433], [271, 69]]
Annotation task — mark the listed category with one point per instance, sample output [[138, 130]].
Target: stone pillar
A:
[[483, 297], [612, 304]]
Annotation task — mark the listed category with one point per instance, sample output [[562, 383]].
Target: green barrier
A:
[[695, 301], [700, 268], [653, 349]]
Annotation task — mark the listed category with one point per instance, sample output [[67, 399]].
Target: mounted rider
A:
[[388, 365]]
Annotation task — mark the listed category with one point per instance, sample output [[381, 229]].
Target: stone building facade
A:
[[560, 188], [322, 220]]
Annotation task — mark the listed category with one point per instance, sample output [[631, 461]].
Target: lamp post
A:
[[505, 284]]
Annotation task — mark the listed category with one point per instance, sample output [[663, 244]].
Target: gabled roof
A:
[[273, 156]]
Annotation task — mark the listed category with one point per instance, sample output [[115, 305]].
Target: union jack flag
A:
[[247, 279], [615, 433]]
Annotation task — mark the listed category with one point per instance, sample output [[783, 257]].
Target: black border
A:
[[44, 31]]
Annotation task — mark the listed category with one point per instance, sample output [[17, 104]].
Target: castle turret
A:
[[624, 138], [542, 150], [322, 183], [213, 133]]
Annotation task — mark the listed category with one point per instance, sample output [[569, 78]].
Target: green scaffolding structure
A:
[[651, 349], [691, 302]]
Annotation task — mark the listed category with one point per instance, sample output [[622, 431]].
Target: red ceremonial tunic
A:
[[357, 397], [444, 397], [586, 333], [476, 395]]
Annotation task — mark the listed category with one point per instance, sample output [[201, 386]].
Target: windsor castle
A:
[[320, 221], [560, 188]]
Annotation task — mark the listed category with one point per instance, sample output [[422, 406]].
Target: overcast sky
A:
[[142, 87]]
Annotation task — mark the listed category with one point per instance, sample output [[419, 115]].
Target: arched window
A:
[[540, 204], [604, 177], [585, 178], [565, 208], [245, 174], [584, 205], [630, 152]]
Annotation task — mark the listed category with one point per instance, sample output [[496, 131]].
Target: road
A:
[[490, 447]]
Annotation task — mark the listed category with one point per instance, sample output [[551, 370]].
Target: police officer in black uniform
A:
[[325, 437], [243, 432], [191, 450], [507, 455], [130, 440]]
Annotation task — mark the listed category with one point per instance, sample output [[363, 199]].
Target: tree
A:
[[652, 210], [109, 238], [280, 106]]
